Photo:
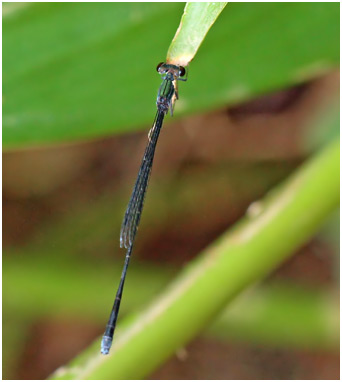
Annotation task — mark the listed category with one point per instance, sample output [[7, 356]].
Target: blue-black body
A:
[[166, 97]]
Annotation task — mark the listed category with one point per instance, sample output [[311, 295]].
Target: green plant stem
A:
[[278, 314], [67, 282], [196, 21], [268, 234], [282, 315]]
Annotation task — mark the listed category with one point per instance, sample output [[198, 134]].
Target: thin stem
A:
[[269, 233]]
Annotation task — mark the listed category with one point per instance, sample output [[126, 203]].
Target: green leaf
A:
[[76, 71], [196, 21]]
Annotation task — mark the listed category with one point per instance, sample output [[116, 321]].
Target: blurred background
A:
[[79, 90]]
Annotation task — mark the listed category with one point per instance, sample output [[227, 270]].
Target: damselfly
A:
[[167, 95]]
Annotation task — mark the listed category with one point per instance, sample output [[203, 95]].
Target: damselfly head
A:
[[177, 71]]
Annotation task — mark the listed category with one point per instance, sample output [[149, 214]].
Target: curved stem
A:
[[259, 243]]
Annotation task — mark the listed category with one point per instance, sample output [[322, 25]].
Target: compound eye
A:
[[159, 65], [181, 71]]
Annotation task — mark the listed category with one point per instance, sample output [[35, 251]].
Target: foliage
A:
[[74, 71]]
